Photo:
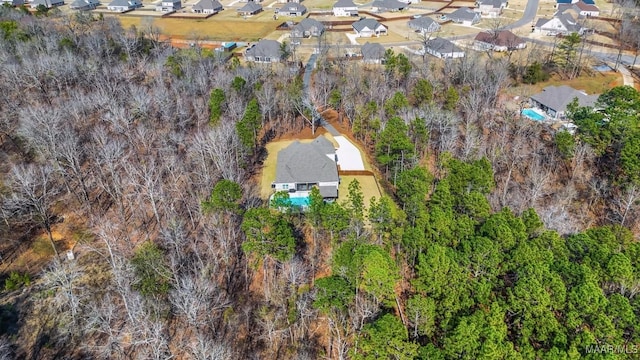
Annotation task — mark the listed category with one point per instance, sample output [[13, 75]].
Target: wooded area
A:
[[498, 238]]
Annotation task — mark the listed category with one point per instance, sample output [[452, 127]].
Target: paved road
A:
[[529, 14]]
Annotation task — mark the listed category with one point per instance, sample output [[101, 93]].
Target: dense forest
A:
[[498, 237]]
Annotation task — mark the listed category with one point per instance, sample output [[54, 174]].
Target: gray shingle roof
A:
[[307, 24], [300, 163], [496, 4], [250, 7], [463, 14], [119, 3], [293, 7], [366, 23], [344, 4], [372, 51], [500, 38], [265, 48], [442, 46], [422, 23], [558, 97], [207, 5], [389, 4]]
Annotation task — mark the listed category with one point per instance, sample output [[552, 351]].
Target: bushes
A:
[[15, 281]]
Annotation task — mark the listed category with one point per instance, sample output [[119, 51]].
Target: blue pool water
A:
[[533, 115], [299, 201]]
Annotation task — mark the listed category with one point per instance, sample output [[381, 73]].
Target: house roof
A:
[[586, 7], [344, 4], [389, 4], [442, 46], [566, 19], [366, 23], [265, 48], [496, 4], [577, 7], [307, 24], [250, 7], [563, 1], [463, 14], [78, 4], [558, 97], [422, 23], [372, 51], [329, 191], [499, 38], [120, 3], [207, 4], [299, 163], [293, 7]]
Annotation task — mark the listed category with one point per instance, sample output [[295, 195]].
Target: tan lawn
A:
[[368, 184], [591, 84]]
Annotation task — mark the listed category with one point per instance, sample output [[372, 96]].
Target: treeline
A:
[[149, 153]]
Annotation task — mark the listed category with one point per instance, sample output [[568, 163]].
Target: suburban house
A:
[[465, 16], [169, 5], [302, 166], [443, 49], [345, 8], [46, 3], [83, 5], [265, 51], [12, 2], [292, 9], [251, 8], [369, 28], [491, 8], [207, 7], [561, 24], [424, 25], [581, 7], [554, 100], [124, 5], [388, 5], [372, 53], [307, 28], [501, 40]]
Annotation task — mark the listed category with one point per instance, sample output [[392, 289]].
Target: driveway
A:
[[349, 157]]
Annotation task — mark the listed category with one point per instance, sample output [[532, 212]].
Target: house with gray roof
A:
[[166, 6], [443, 49], [292, 9], [84, 5], [345, 8], [369, 28], [424, 25], [501, 40], [465, 16], [491, 8], [307, 28], [554, 100], [124, 5], [46, 3], [372, 53], [251, 8], [302, 166], [388, 5], [581, 7], [561, 24], [264, 51], [207, 7]]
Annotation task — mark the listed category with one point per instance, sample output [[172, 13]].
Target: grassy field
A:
[[591, 84], [367, 183]]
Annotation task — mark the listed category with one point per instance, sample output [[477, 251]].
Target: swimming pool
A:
[[299, 201], [533, 115]]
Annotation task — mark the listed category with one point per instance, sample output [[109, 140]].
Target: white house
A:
[[443, 49], [491, 8], [303, 166], [250, 8], [388, 5], [207, 7], [554, 100], [369, 28], [307, 28], [84, 5], [424, 25], [124, 5], [345, 8], [580, 7], [169, 5], [465, 16], [561, 24]]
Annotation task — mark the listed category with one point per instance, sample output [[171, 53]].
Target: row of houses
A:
[[568, 19]]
